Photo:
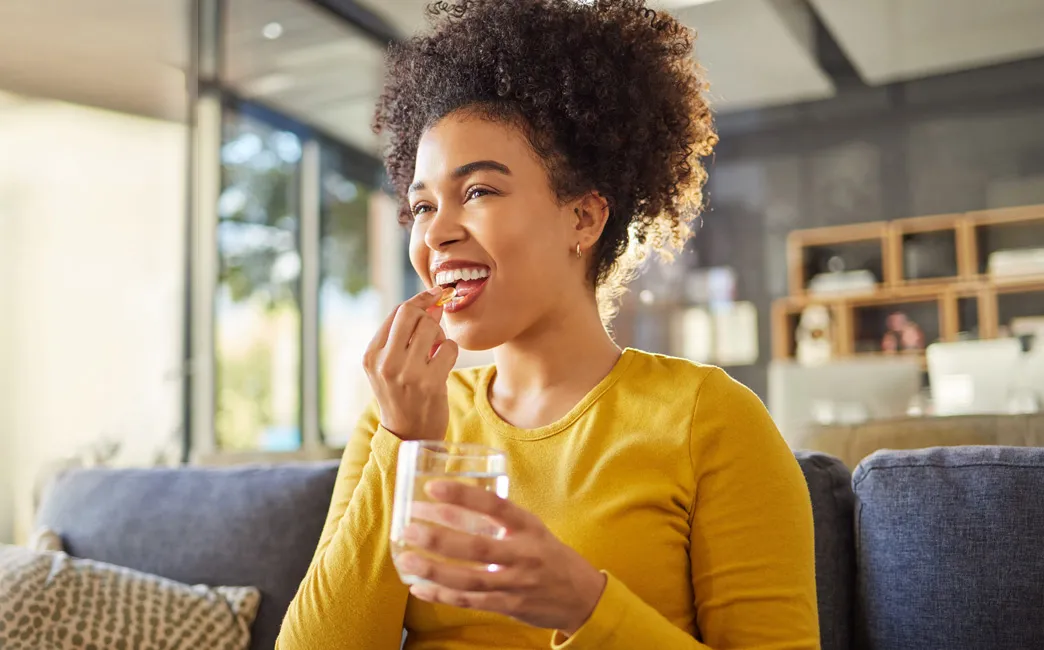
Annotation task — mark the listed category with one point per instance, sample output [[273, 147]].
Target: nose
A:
[[445, 228]]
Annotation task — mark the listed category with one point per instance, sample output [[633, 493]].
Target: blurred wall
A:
[[955, 143], [7, 281], [92, 207]]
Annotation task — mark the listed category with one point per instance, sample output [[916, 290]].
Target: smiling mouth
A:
[[467, 283], [456, 277]]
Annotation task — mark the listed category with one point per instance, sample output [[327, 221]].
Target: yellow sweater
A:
[[669, 476]]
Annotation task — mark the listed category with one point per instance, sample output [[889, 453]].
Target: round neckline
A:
[[507, 430]]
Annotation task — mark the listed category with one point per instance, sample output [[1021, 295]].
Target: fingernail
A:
[[413, 534], [437, 489], [409, 562], [441, 489], [435, 291], [419, 592]]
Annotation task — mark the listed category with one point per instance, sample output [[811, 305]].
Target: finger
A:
[[381, 338], [425, 298], [424, 337], [435, 311], [445, 357], [480, 501], [493, 601], [403, 327], [457, 577], [435, 346], [451, 516], [459, 545]]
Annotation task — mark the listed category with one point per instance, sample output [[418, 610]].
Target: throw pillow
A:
[[50, 600], [45, 539]]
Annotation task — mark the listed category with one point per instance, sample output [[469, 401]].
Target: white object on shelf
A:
[[813, 336], [1009, 263], [845, 282]]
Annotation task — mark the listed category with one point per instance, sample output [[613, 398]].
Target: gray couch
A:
[[252, 526], [938, 548]]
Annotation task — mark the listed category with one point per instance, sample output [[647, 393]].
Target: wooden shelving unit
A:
[[960, 234]]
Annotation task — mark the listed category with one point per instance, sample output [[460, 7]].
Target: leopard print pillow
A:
[[45, 539], [51, 601]]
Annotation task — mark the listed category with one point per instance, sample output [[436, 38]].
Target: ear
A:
[[591, 212]]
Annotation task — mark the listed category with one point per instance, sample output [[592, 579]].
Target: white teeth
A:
[[456, 275]]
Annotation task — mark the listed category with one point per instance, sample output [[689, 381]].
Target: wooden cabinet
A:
[[951, 293]]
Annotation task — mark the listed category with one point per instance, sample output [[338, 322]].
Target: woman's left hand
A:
[[538, 580]]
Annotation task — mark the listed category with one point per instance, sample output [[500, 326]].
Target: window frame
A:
[[209, 103]]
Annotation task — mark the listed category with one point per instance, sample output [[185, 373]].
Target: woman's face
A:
[[487, 221]]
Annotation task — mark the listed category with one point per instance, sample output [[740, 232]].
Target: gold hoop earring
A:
[[579, 253]]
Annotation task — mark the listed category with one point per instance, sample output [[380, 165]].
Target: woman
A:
[[537, 146]]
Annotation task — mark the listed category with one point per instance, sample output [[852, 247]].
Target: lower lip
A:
[[463, 302]]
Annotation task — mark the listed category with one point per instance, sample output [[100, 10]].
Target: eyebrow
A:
[[468, 169]]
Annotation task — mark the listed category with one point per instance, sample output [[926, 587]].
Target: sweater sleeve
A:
[[351, 598], [752, 553]]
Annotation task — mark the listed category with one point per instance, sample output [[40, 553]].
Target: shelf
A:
[[871, 322], [839, 234], [948, 280], [882, 296], [1001, 216], [933, 223], [957, 233], [866, 241], [921, 290], [898, 296], [1006, 233], [1015, 284], [963, 298], [968, 315]]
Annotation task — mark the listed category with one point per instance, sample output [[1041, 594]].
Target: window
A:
[[258, 302], [285, 249], [350, 308]]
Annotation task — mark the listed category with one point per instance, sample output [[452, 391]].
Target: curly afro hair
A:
[[607, 92]]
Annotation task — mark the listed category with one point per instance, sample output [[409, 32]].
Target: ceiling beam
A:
[[362, 18]]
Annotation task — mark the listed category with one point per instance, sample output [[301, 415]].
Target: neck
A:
[[568, 349]]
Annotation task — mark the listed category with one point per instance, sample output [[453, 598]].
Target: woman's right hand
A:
[[407, 379]]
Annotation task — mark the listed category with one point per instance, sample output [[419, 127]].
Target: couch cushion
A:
[[50, 600], [830, 486], [251, 526], [949, 548]]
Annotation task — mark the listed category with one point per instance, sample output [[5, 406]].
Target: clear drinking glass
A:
[[421, 462]]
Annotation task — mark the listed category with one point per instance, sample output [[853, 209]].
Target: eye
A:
[[476, 192], [420, 209]]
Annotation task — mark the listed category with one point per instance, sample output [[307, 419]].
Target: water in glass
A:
[[421, 462]]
